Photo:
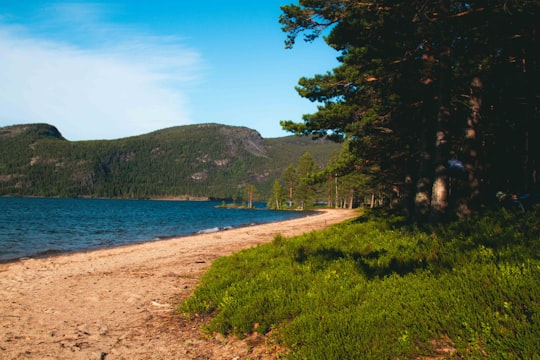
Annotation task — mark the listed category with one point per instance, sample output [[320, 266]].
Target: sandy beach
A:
[[118, 303]]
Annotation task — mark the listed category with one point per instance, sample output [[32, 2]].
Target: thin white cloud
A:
[[126, 85]]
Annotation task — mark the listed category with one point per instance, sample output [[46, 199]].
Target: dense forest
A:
[[189, 162], [437, 101]]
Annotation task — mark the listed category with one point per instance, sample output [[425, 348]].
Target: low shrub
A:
[[377, 289]]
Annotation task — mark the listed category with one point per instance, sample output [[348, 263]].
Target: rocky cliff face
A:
[[246, 139], [36, 131]]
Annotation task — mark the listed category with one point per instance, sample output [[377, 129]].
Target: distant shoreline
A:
[[158, 198], [45, 227], [180, 198], [52, 253]]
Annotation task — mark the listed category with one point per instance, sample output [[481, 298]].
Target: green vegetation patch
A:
[[374, 289]]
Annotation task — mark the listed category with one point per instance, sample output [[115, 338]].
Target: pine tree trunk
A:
[[422, 198], [337, 194], [470, 199], [290, 193], [330, 191], [439, 192], [250, 202]]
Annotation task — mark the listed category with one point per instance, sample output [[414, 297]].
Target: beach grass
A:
[[376, 288]]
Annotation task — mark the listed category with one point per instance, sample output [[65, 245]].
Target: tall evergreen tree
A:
[[291, 179], [250, 192], [305, 190], [276, 198], [424, 84]]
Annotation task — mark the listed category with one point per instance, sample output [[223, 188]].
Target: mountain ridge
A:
[[189, 161]]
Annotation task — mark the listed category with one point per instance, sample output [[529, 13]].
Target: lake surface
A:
[[31, 227]]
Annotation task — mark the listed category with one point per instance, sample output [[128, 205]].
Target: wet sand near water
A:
[[118, 303]]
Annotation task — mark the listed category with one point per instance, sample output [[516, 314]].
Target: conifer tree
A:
[[276, 199], [305, 190], [250, 193], [424, 84], [290, 177]]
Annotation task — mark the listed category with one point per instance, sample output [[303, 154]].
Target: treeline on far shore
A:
[[186, 162]]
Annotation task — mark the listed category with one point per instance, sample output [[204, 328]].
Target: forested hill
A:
[[207, 160]]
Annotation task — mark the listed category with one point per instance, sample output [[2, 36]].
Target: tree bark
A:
[[439, 193], [470, 200], [290, 193], [351, 198], [422, 198]]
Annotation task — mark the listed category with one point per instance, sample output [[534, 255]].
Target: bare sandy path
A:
[[116, 303]]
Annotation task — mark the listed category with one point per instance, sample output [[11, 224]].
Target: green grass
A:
[[376, 289]]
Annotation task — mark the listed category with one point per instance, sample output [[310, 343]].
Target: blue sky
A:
[[112, 69]]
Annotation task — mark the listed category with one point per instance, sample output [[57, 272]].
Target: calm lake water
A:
[[37, 227]]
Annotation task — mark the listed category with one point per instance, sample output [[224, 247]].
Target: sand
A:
[[119, 303]]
